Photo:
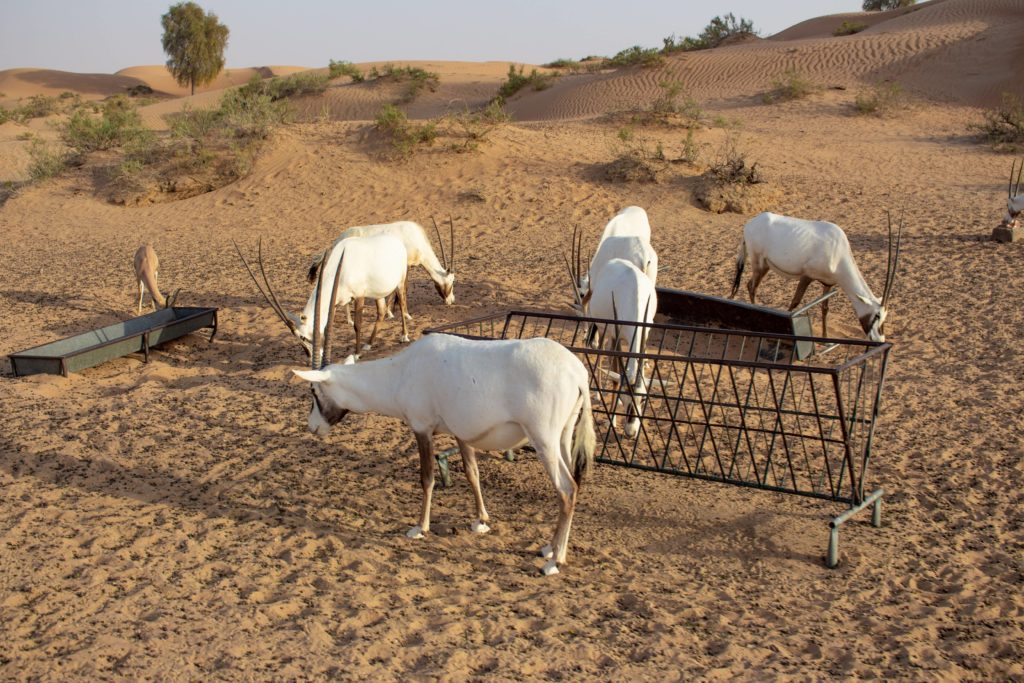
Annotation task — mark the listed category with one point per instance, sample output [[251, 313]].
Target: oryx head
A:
[[1014, 198], [873, 322], [446, 288], [325, 411], [580, 281]]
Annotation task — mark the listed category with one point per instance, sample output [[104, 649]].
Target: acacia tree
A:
[[195, 42], [878, 5]]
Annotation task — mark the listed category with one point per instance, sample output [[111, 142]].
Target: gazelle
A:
[[418, 251], [490, 395], [814, 251], [1014, 197], [365, 268], [147, 268]]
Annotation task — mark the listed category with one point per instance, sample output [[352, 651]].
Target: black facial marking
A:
[[331, 413]]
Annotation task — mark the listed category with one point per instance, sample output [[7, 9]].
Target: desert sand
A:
[[175, 520]]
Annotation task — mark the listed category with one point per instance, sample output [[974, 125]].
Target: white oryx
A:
[[621, 291], [629, 222], [364, 268], [814, 251], [147, 268], [418, 252], [490, 395], [1014, 197]]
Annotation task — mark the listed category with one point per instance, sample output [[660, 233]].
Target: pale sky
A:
[[102, 36]]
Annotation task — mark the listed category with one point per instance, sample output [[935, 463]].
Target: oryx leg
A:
[[405, 294], [757, 273], [357, 310], [825, 289], [389, 304], [473, 476], [348, 313], [142, 289], [801, 289], [556, 463], [381, 310], [425, 443], [403, 306]]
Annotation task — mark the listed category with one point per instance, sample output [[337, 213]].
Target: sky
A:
[[102, 36]]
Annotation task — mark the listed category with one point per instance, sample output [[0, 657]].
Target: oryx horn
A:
[[172, 299], [451, 228], [317, 335], [330, 315], [268, 295], [1014, 190], [440, 243], [894, 256]]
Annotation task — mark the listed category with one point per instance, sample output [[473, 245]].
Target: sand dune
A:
[[175, 520]]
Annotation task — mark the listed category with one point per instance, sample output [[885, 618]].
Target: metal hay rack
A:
[[750, 409]]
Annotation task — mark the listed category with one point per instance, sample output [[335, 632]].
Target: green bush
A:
[[792, 85], [306, 83], [517, 80], [881, 99], [339, 69], [637, 56], [118, 123], [403, 135], [718, 30], [45, 161], [415, 78], [848, 28], [880, 5], [473, 127]]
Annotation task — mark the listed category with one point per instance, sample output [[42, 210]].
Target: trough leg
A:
[[875, 501]]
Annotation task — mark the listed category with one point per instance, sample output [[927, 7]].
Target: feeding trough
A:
[[681, 307], [135, 335]]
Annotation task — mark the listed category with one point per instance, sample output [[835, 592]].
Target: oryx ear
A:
[[350, 360], [864, 299], [312, 375]]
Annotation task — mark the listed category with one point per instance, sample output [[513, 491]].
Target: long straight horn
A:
[[317, 335], [440, 243], [270, 298], [572, 280], [451, 229], [330, 314], [1020, 170], [1009, 187], [890, 277], [579, 248]]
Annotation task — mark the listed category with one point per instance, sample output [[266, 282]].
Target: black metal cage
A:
[[745, 408]]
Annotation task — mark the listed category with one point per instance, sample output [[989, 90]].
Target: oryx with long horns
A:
[[1014, 197], [815, 251], [490, 395], [418, 252], [362, 268]]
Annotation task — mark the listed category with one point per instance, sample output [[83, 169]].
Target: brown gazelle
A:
[[147, 268]]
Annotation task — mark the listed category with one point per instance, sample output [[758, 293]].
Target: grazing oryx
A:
[[1014, 197], [630, 222], [490, 395], [621, 291], [418, 250], [365, 268], [814, 251], [627, 247], [147, 268]]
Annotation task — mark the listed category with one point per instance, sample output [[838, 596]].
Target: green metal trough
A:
[[135, 335]]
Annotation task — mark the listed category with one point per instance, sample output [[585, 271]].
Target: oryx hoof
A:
[[415, 533], [550, 569], [407, 316], [389, 315], [365, 347], [404, 339], [547, 552], [479, 527]]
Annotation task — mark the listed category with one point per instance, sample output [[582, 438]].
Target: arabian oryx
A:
[[621, 291], [365, 268], [418, 251], [147, 268], [814, 251], [490, 395], [1014, 197], [629, 222]]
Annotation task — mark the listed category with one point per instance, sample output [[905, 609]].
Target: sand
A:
[[175, 520]]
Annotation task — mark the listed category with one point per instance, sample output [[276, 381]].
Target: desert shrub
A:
[[306, 83], [45, 160], [118, 123], [848, 28], [673, 100], [880, 99], [636, 158], [250, 111], [636, 56], [140, 90], [567, 64], [718, 31], [472, 127], [339, 69], [403, 135], [517, 80], [1004, 125], [880, 5], [5, 116], [415, 78], [791, 85]]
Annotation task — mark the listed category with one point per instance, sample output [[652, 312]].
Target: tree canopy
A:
[[878, 5], [194, 42]]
